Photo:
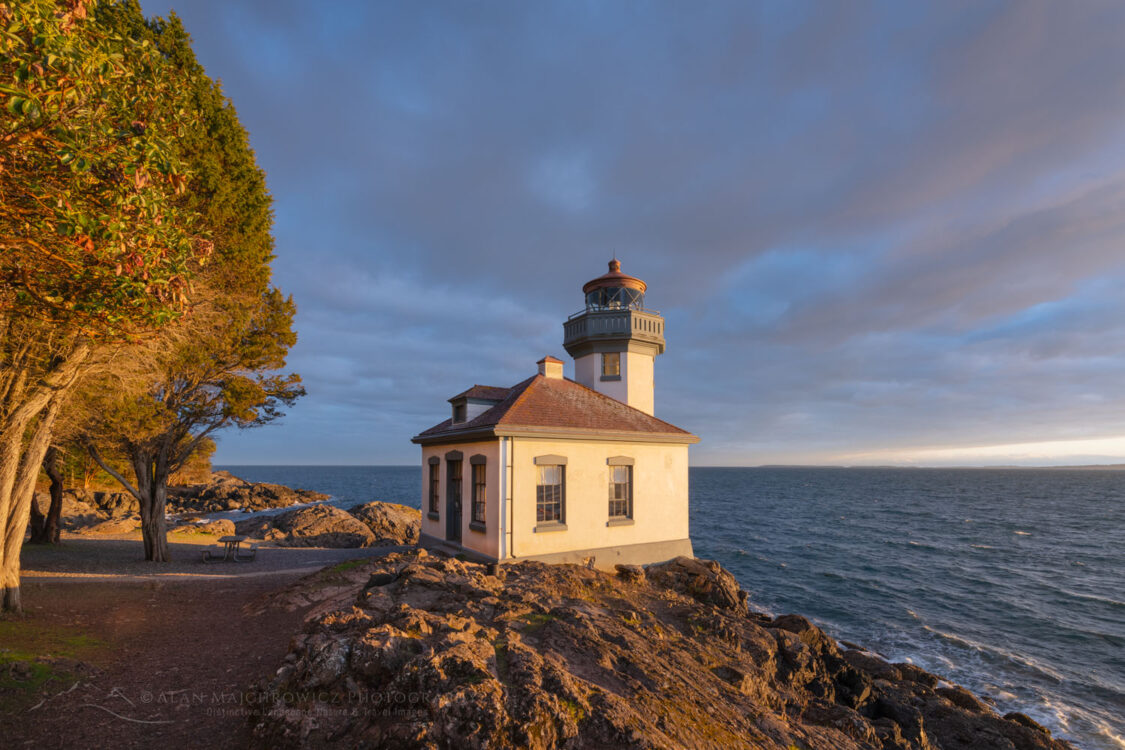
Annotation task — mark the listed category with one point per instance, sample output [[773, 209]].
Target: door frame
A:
[[454, 492]]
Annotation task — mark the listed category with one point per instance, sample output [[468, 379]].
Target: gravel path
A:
[[122, 556], [165, 657]]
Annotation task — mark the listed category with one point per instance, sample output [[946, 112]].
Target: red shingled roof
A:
[[484, 393], [545, 403]]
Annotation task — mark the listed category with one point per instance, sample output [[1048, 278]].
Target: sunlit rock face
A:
[[436, 652]]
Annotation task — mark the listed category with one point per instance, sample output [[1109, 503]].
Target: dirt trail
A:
[[143, 659]]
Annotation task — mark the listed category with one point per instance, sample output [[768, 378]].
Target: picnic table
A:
[[232, 550], [232, 543]]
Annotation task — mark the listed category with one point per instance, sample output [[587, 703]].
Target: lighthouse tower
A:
[[615, 340]]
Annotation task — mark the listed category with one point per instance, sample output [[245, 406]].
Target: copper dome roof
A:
[[614, 279]]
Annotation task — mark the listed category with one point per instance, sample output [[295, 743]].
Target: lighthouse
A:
[[615, 339], [565, 470]]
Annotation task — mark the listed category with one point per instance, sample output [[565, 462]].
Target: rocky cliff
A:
[[432, 652]]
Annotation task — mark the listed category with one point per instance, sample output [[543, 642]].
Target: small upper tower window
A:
[[611, 365], [459, 412]]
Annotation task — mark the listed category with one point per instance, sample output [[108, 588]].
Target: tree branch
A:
[[94, 454], [183, 455]]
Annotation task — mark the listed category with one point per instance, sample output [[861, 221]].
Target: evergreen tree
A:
[[95, 247], [217, 367]]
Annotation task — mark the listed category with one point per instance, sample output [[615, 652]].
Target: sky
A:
[[879, 233]]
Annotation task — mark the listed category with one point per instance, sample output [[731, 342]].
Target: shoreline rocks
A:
[[227, 492], [437, 652], [374, 524], [390, 523], [82, 510]]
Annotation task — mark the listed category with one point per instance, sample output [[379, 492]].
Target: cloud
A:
[[868, 226]]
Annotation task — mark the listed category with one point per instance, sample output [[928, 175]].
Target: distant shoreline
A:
[[1006, 467]]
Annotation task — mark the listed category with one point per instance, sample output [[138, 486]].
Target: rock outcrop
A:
[[434, 652], [218, 527], [227, 492], [389, 522], [85, 508], [112, 526], [372, 525], [312, 526]]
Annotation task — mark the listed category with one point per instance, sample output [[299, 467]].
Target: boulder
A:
[[633, 573], [115, 504], [228, 492], [313, 526], [218, 527], [1027, 721], [389, 522], [704, 580], [112, 526], [76, 512]]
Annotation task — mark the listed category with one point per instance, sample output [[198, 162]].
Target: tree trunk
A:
[[151, 469], [37, 523], [18, 508], [152, 493], [45, 529], [25, 434]]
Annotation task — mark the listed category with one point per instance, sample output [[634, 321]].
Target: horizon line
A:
[[1117, 467]]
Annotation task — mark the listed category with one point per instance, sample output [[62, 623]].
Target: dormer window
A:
[[477, 400]]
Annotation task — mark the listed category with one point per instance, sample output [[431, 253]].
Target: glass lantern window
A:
[[615, 298]]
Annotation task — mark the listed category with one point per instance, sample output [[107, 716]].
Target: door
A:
[[453, 501]]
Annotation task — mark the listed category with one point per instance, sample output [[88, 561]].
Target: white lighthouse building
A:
[[563, 470]]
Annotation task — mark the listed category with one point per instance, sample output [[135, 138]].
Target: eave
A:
[[555, 433]]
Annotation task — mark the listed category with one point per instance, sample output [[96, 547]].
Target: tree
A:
[[216, 368], [94, 247], [221, 374]]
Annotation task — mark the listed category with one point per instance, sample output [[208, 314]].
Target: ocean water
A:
[[1009, 582]]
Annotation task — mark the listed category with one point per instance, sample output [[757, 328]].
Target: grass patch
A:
[[502, 662], [27, 666], [536, 620], [573, 709], [348, 565], [24, 639], [335, 574]]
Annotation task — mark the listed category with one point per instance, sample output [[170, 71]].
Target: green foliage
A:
[[226, 186], [217, 367], [92, 235]]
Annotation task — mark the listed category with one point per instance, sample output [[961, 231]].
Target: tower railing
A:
[[645, 324]]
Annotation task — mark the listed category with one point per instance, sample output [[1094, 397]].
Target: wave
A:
[[996, 652]]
